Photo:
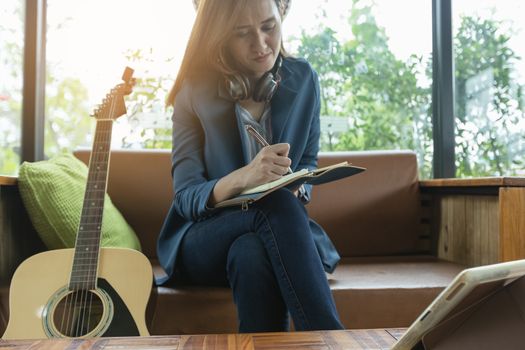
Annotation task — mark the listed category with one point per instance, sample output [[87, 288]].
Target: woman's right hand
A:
[[269, 164]]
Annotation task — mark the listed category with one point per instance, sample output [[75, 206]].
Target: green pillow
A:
[[53, 193]]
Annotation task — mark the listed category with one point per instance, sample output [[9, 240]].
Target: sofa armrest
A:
[[477, 221], [18, 238]]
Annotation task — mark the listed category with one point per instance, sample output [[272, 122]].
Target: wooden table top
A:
[[493, 181], [347, 339]]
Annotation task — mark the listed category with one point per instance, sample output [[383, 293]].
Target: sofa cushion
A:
[[369, 293], [373, 213], [388, 292], [53, 194]]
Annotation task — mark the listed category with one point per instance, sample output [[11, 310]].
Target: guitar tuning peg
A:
[[128, 74]]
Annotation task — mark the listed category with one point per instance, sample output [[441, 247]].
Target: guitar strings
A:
[[67, 308], [72, 319], [91, 251], [105, 157], [75, 311], [104, 174], [86, 255], [84, 281], [84, 327], [82, 286], [86, 259], [72, 297]]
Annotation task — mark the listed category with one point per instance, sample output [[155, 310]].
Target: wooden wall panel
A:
[[468, 229], [482, 228], [512, 223]]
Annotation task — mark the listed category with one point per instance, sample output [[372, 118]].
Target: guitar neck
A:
[[87, 246]]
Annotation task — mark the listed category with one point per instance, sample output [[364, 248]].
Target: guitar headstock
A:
[[113, 106]]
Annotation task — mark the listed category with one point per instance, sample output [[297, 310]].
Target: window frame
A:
[[443, 128], [33, 90]]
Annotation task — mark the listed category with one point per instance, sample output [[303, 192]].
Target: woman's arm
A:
[[309, 157], [191, 186]]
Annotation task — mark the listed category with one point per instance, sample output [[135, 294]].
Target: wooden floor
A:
[[349, 339]]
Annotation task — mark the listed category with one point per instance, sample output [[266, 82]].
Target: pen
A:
[[262, 141]]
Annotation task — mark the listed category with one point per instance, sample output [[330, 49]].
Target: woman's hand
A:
[[271, 163]]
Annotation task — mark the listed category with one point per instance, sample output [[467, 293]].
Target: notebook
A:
[[294, 180]]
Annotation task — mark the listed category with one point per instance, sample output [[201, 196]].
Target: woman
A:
[[234, 73]]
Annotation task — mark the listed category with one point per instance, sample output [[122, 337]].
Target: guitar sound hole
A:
[[78, 313]]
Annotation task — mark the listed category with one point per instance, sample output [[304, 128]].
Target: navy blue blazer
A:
[[207, 146]]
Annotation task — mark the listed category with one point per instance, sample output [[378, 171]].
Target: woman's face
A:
[[256, 40]]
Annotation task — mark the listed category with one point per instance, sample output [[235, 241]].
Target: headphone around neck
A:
[[240, 88]]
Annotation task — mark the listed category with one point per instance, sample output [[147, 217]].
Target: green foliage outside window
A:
[[70, 127], [489, 103], [362, 80], [149, 119]]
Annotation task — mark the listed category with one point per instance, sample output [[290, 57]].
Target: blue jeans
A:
[[268, 257]]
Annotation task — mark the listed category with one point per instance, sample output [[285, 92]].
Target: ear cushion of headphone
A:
[[238, 86], [265, 88]]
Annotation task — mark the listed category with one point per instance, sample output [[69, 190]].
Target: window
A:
[[374, 67], [374, 64], [374, 70], [11, 62], [88, 46], [489, 53]]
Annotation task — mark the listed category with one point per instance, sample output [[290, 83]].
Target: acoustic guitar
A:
[[86, 291]]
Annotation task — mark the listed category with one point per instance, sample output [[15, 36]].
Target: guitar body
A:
[[39, 297]]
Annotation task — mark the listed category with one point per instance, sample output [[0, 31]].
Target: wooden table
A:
[[348, 339]]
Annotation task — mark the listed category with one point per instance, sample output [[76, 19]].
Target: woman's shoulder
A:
[[298, 65], [202, 86], [200, 83], [299, 75]]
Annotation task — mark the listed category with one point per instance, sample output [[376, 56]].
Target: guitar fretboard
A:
[[87, 247]]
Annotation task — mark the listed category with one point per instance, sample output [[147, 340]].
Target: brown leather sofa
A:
[[378, 221], [387, 275]]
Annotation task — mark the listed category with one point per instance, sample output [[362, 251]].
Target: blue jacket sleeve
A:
[[309, 157], [191, 186]]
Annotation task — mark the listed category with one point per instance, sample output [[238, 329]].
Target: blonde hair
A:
[[214, 23]]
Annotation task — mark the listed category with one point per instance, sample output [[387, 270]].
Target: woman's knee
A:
[[284, 203], [247, 256], [282, 195]]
